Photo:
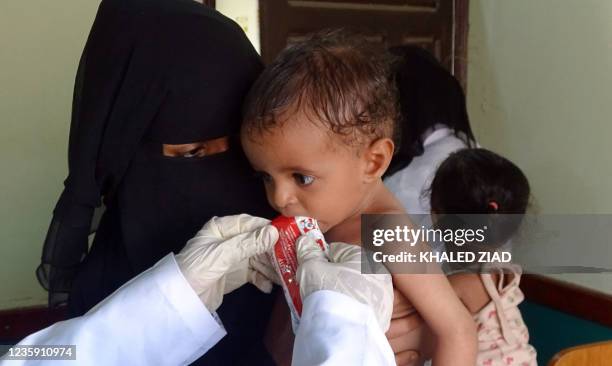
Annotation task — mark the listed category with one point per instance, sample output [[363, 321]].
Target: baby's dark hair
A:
[[336, 78], [480, 182]]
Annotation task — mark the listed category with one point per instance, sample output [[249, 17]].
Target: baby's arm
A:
[[434, 299], [470, 290]]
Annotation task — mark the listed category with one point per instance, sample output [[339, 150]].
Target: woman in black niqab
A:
[[154, 74]]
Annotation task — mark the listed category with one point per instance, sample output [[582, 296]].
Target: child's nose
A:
[[283, 198]]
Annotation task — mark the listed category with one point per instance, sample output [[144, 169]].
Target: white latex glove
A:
[[262, 266], [342, 273], [216, 260]]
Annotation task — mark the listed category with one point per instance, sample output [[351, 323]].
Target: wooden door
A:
[[440, 26]]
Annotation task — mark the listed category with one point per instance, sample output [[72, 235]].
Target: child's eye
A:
[[303, 180]]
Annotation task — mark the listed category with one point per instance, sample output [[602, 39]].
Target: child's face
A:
[[307, 172]]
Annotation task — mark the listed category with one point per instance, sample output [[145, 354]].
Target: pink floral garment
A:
[[503, 338]]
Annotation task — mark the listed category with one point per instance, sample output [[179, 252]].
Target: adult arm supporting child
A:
[[449, 320], [431, 294]]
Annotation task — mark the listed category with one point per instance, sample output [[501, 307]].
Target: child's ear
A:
[[377, 157]]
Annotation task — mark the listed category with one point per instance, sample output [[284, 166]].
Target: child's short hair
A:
[[335, 78], [480, 182]]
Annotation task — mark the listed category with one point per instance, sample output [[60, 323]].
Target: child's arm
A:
[[451, 323], [470, 289]]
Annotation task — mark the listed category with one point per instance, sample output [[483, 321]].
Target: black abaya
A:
[[154, 72]]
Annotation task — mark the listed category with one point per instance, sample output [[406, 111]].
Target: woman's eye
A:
[[197, 152], [303, 180]]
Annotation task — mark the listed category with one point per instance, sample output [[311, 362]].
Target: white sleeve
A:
[[409, 184], [155, 319], [335, 329]]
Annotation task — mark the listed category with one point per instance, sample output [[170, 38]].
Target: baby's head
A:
[[483, 183], [319, 126]]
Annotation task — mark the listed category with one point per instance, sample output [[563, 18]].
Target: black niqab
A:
[[152, 72]]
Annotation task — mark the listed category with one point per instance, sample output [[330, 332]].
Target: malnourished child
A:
[[319, 129]]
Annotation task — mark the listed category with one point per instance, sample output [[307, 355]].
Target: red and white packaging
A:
[[284, 256]]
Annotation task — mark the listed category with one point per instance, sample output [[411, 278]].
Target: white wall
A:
[[40, 45], [246, 14], [540, 93]]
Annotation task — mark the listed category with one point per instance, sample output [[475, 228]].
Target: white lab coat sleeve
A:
[[335, 329], [155, 319], [410, 184]]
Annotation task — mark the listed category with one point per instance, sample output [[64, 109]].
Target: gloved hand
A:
[[343, 274], [263, 267], [216, 260]]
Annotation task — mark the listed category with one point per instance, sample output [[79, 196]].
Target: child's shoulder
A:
[[347, 232], [385, 202]]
